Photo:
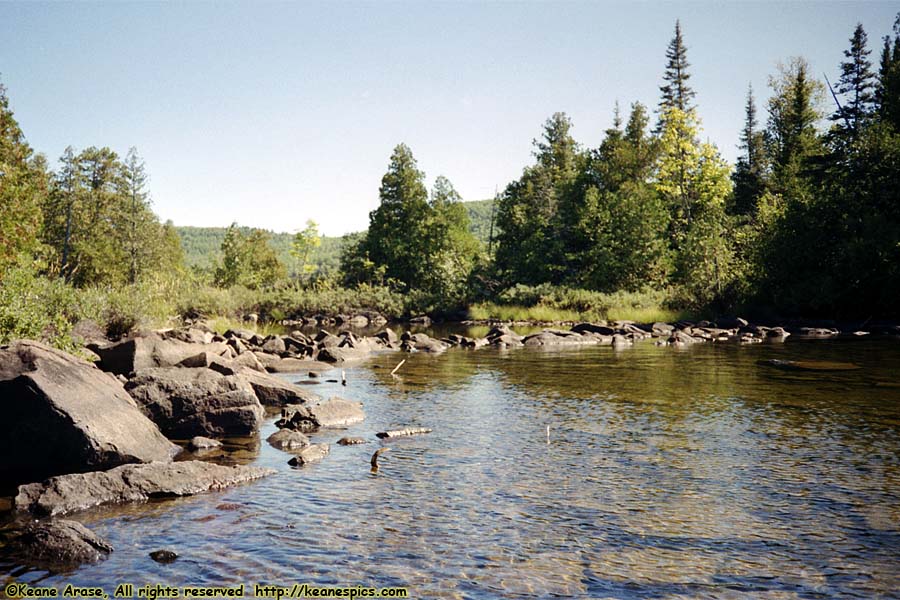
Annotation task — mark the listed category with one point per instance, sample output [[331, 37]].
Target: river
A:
[[694, 472]]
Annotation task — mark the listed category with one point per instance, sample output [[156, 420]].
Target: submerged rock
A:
[[288, 440], [809, 365], [337, 412], [60, 414], [163, 556], [310, 454], [57, 545], [351, 441], [130, 483], [203, 443]]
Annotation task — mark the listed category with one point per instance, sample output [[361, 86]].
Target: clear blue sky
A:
[[273, 113]]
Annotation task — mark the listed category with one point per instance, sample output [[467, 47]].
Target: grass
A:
[[553, 304]]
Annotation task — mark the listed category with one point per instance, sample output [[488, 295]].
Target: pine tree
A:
[[134, 182], [676, 93]]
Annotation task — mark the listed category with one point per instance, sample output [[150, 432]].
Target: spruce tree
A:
[[676, 93], [750, 171], [856, 85]]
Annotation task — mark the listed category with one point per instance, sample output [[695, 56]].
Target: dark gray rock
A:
[[550, 337], [59, 414], [297, 417], [164, 557], [57, 545], [130, 483], [186, 402], [592, 328], [275, 391]]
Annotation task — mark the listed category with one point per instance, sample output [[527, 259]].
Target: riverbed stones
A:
[[296, 417], [310, 454], [57, 545], [351, 441], [337, 412], [152, 351], [130, 483], [288, 440], [187, 402], [60, 414]]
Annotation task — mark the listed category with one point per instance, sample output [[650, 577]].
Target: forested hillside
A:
[[203, 245]]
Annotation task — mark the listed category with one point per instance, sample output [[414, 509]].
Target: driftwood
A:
[[403, 432], [375, 456], [397, 368]]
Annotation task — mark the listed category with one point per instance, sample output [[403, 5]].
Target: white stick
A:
[[397, 368]]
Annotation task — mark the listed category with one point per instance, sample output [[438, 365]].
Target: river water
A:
[[669, 473]]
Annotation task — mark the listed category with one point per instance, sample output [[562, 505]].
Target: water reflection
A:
[[693, 473]]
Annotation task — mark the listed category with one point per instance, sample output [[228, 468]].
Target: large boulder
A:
[[56, 545], [59, 414], [130, 483], [185, 402], [593, 328], [150, 351], [335, 354]]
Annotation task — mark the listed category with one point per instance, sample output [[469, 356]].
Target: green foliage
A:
[[34, 307], [676, 93], [302, 247], [414, 243], [529, 242], [248, 260], [23, 187]]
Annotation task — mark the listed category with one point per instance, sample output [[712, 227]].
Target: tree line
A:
[[807, 221]]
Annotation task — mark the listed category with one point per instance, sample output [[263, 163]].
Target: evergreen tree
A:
[[398, 227], [530, 242], [792, 133], [750, 173], [856, 85], [134, 182], [676, 92], [887, 94]]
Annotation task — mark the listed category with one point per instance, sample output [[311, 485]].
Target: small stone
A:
[[163, 556], [350, 441], [310, 454], [203, 443]]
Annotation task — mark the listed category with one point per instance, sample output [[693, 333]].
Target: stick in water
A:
[[343, 378], [397, 368], [548, 434], [375, 458]]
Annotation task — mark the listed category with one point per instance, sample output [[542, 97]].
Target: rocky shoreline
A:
[[104, 432]]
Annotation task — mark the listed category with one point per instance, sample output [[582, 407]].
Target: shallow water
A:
[[669, 473]]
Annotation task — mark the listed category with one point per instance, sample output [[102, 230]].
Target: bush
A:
[[34, 307]]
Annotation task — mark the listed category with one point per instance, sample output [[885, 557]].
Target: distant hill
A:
[[202, 244]]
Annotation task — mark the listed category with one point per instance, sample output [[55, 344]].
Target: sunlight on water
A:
[[668, 474]]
